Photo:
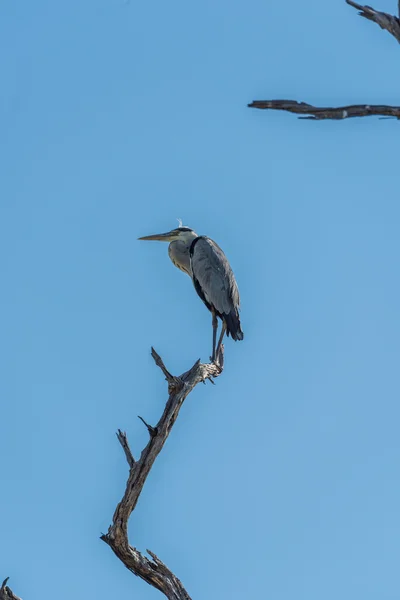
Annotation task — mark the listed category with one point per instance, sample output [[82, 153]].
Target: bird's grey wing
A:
[[214, 276]]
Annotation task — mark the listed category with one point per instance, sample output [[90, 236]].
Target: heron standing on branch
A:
[[203, 260]]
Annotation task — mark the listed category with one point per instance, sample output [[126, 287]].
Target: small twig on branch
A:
[[123, 440], [152, 430], [174, 383], [154, 571], [6, 593], [384, 20], [336, 113]]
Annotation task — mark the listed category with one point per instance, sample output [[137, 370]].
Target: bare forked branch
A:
[[153, 571], [339, 113], [389, 22], [6, 593]]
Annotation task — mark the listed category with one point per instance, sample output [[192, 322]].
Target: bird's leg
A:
[[215, 327], [223, 329]]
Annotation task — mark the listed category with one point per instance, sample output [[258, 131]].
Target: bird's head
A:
[[184, 234]]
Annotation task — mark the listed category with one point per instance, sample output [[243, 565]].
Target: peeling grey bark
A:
[[154, 571]]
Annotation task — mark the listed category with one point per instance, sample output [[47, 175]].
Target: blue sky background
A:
[[118, 117]]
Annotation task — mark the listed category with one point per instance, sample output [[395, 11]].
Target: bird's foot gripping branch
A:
[[218, 361], [153, 570]]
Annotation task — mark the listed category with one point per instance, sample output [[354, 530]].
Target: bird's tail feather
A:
[[233, 326]]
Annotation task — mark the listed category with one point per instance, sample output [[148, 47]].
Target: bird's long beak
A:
[[159, 237]]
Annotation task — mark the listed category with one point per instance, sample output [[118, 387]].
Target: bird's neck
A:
[[179, 253]]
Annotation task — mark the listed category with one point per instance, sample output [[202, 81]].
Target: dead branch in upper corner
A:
[[6, 593], [336, 113], [384, 20], [316, 113], [154, 571]]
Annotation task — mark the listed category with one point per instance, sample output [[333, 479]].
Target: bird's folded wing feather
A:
[[214, 275]]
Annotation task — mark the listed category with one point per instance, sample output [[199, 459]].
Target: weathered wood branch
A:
[[389, 22], [154, 571], [6, 593], [384, 20], [328, 112]]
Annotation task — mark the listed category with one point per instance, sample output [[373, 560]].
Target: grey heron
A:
[[203, 260]]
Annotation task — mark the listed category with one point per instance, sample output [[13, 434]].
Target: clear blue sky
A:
[[118, 117]]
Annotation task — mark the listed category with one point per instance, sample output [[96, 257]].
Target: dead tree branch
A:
[[384, 20], [154, 571], [316, 113], [337, 113], [6, 593]]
